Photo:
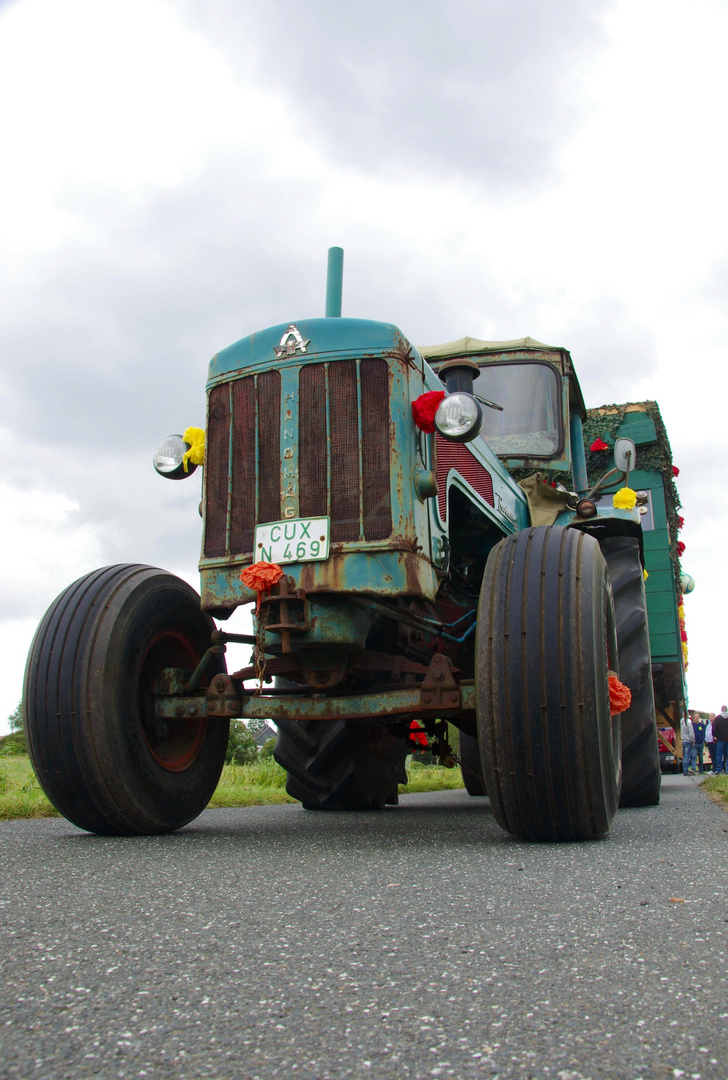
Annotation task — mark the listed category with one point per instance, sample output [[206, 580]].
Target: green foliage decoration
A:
[[603, 423]]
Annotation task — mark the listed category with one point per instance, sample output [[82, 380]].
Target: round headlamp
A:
[[459, 417], [168, 458]]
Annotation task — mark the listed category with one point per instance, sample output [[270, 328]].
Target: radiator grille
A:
[[457, 456], [343, 462]]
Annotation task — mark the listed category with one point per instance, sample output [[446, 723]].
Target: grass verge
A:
[[431, 778], [717, 789], [21, 796], [260, 784]]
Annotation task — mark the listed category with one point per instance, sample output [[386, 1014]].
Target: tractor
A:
[[423, 549]]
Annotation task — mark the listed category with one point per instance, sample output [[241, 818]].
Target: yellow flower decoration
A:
[[624, 499], [646, 574], [195, 436]]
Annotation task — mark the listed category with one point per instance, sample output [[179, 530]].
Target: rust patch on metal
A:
[[222, 698], [440, 689], [402, 351]]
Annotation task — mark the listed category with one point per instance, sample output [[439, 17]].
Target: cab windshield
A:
[[530, 424]]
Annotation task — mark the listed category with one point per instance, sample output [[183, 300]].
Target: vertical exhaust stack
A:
[[334, 282]]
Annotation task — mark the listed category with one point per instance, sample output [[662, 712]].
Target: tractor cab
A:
[[540, 408]]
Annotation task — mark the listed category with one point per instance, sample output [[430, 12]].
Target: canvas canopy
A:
[[472, 346]]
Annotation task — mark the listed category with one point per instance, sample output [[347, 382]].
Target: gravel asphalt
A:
[[417, 942]]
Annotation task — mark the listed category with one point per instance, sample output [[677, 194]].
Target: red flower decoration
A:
[[680, 521], [680, 547], [675, 471], [417, 735], [620, 696], [683, 636], [424, 408], [599, 444]]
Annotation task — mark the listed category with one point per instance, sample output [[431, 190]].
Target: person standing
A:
[[720, 734], [687, 736], [699, 727], [710, 740]]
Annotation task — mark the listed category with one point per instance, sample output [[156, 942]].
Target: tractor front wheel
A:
[[545, 643], [102, 757]]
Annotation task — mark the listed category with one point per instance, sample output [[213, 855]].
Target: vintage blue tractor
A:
[[363, 494]]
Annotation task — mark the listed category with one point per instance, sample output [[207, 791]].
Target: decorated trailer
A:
[[666, 585], [363, 495]]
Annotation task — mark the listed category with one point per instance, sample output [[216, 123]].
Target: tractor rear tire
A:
[[641, 774], [102, 758], [545, 642], [341, 764], [470, 766]]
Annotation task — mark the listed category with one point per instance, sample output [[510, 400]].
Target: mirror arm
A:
[[600, 483]]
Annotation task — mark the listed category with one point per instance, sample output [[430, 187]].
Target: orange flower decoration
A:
[[620, 696], [260, 576]]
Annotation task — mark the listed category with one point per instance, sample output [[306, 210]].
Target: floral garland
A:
[[683, 631], [600, 431]]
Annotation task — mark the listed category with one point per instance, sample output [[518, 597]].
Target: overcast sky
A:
[[175, 170]]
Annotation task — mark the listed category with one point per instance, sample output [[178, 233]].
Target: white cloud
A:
[[177, 173]]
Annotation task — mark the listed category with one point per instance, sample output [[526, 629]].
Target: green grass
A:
[[260, 784], [717, 788], [20, 793], [431, 778]]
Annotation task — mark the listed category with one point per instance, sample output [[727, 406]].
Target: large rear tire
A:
[[470, 765], [545, 643], [641, 775], [341, 764], [105, 762]]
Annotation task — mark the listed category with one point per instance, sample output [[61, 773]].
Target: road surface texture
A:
[[418, 942]]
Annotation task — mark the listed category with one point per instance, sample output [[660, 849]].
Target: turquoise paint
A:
[[364, 569], [578, 455], [335, 623], [327, 339], [334, 282], [289, 442]]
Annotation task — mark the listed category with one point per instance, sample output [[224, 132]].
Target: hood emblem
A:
[[291, 343]]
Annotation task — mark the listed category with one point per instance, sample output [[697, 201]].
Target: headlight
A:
[[459, 417], [168, 458]]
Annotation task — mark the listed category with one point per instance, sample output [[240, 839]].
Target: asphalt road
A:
[[418, 942]]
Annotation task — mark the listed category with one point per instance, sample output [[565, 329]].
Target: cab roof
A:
[[525, 347], [467, 346]]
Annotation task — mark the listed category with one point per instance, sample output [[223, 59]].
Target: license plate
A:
[[295, 540]]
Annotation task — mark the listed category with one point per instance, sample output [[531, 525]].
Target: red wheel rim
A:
[[174, 744]]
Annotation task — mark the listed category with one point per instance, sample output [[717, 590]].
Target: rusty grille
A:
[[343, 465], [376, 502], [217, 459], [242, 512], [344, 450], [313, 458]]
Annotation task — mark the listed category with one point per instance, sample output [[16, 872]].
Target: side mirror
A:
[[625, 455]]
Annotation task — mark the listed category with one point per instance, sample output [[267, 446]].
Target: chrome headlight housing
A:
[[459, 417], [168, 458]]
